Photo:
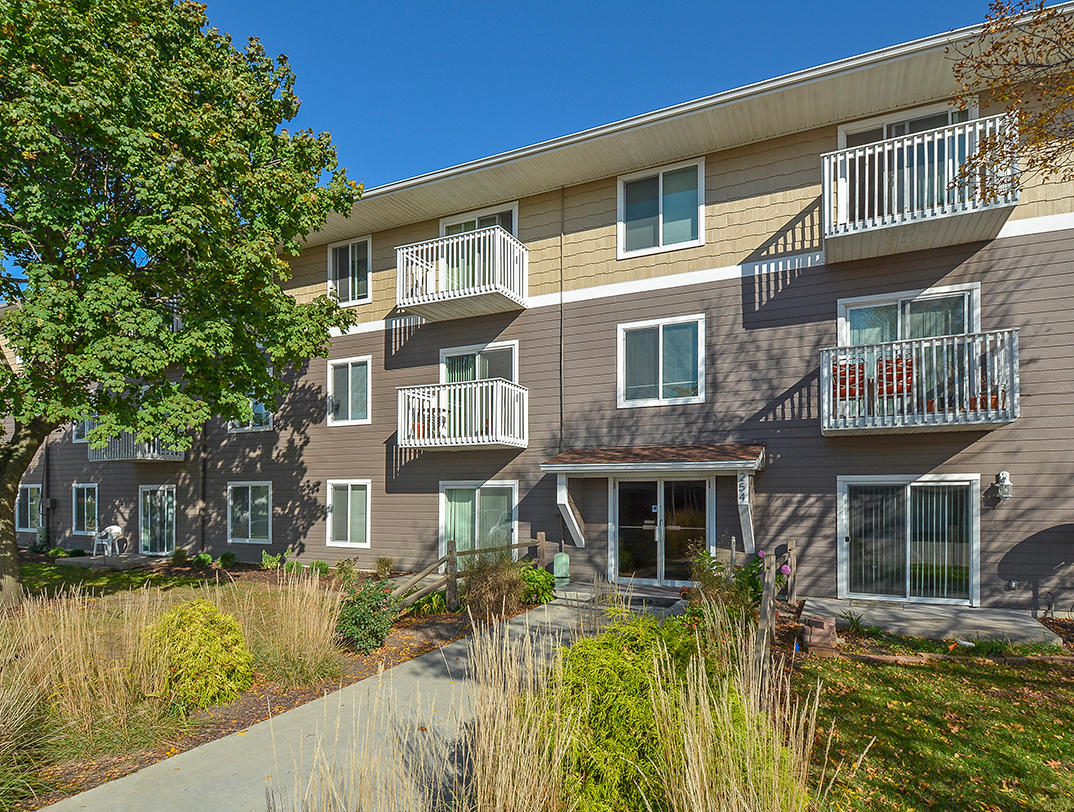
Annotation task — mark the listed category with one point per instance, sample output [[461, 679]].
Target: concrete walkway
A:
[[936, 622], [240, 772]]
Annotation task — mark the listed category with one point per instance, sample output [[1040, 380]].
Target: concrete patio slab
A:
[[936, 622], [119, 562]]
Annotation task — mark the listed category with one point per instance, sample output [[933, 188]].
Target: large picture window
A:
[[28, 510], [348, 271], [84, 509], [348, 518], [662, 362], [348, 391], [249, 512], [910, 538], [661, 209]]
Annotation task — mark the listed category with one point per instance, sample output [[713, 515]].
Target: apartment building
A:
[[767, 314]]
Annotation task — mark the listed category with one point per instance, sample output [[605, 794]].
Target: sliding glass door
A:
[[156, 519], [911, 540]]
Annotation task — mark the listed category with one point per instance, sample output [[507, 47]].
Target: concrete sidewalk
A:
[[239, 772], [936, 622]]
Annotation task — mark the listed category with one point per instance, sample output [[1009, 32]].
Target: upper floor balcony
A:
[[944, 383], [908, 194], [467, 274], [491, 413], [126, 447]]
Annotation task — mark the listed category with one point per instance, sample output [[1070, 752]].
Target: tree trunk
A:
[[15, 457]]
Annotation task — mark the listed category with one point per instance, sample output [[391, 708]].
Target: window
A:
[[911, 538], [661, 209], [81, 429], [480, 362], [84, 509], [927, 118], [261, 420], [348, 391], [478, 515], [348, 520], [941, 311], [348, 271], [505, 216], [662, 362], [249, 512], [28, 510]]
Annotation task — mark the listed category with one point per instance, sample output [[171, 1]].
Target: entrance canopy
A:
[[730, 459]]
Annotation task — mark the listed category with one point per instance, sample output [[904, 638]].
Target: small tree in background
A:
[[1022, 59], [145, 174]]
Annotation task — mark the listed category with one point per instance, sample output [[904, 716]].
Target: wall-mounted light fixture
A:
[[1004, 486]]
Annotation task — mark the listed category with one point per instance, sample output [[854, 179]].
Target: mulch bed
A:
[[1063, 627], [409, 638]]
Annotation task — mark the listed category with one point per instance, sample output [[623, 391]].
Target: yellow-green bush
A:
[[207, 658]]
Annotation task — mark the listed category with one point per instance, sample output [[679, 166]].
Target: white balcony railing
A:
[[464, 274], [127, 447], [492, 413], [914, 178], [943, 383]]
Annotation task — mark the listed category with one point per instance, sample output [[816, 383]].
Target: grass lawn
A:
[[39, 577], [950, 735]]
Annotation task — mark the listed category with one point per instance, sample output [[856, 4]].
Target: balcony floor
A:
[[919, 428], [463, 306]]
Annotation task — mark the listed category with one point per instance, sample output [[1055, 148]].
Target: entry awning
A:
[[729, 458], [741, 459]]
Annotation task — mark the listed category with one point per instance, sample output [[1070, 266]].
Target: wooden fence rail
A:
[[406, 595]]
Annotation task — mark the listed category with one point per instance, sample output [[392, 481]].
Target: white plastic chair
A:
[[107, 539]]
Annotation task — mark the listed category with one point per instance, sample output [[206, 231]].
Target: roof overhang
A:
[[727, 460], [900, 76]]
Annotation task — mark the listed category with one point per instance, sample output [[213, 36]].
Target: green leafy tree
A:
[[145, 173]]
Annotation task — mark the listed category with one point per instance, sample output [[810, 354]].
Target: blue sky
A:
[[409, 87]]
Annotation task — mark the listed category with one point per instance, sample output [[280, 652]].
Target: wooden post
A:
[[792, 579], [451, 590], [540, 549], [733, 545], [766, 619]]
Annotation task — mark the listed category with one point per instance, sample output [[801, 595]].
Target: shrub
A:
[[75, 552], [366, 614], [737, 588], [270, 562], [293, 567], [179, 556], [539, 583], [57, 552], [493, 586], [321, 568], [384, 567], [40, 543], [208, 662], [345, 569], [202, 560], [226, 559], [434, 603]]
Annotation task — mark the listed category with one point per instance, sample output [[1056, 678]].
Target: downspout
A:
[[562, 221], [201, 491]]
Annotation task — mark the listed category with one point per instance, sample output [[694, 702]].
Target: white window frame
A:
[[355, 359], [235, 427], [471, 349], [620, 387], [249, 484], [477, 484], [905, 480], [87, 425], [620, 226], [971, 290], [96, 506], [368, 239], [175, 521], [368, 512], [462, 217], [872, 123], [40, 508]]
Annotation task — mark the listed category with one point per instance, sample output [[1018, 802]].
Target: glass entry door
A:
[[660, 524], [157, 519]]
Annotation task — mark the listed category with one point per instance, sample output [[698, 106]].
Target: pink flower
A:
[[785, 569], [760, 553]]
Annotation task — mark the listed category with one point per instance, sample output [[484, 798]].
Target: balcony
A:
[[904, 194], [468, 274], [948, 383], [475, 414], [126, 447]]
